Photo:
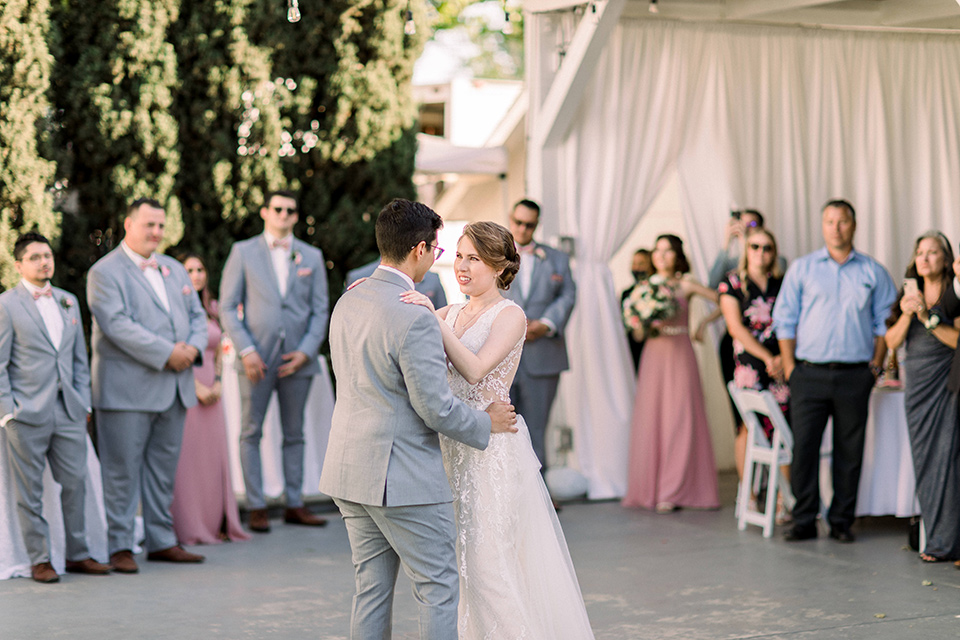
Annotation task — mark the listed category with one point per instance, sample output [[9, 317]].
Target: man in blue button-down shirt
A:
[[829, 320]]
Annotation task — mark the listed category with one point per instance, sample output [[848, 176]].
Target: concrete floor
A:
[[688, 575]]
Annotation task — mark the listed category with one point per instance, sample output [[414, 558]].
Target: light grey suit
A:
[[551, 295], [430, 286], [273, 326], [140, 404], [383, 464], [45, 388]]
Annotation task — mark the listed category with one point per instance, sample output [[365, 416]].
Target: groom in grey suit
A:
[[44, 401], [281, 284], [383, 465], [545, 289], [149, 329]]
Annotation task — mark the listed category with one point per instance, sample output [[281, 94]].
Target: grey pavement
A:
[[689, 575]]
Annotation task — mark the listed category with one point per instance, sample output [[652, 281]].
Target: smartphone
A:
[[735, 214], [910, 287]]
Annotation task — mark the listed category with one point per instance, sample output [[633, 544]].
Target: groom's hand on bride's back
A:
[[502, 417]]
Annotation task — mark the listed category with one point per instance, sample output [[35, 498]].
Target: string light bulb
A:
[[653, 8], [293, 11]]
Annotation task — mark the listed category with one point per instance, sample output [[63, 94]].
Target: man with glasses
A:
[[280, 283], [545, 289]]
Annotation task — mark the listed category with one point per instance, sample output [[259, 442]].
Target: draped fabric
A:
[[777, 118]]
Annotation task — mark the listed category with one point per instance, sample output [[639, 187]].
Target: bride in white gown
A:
[[516, 576]]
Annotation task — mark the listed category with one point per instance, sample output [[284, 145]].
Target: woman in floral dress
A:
[[747, 296]]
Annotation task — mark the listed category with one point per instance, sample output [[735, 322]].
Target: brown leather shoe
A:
[[300, 515], [123, 562], [88, 566], [259, 521], [175, 554], [43, 572]]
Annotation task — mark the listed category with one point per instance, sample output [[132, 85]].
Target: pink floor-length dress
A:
[[202, 493], [671, 453]]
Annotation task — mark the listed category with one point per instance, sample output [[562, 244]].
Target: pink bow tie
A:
[[527, 249], [148, 264], [46, 291], [280, 244]]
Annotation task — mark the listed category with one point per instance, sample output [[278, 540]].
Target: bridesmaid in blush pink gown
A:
[[671, 453], [204, 506]]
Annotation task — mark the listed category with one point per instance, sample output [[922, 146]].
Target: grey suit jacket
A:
[[274, 326], [392, 400], [430, 286], [133, 335], [32, 370], [552, 295]]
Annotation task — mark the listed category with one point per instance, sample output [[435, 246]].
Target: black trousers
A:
[[816, 394]]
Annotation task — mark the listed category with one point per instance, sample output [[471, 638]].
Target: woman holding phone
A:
[[917, 318]]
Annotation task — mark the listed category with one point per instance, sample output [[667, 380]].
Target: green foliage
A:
[[499, 41], [25, 201], [113, 89]]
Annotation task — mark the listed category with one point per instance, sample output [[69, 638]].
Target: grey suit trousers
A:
[[139, 452], [254, 399], [64, 443], [533, 396], [421, 539]]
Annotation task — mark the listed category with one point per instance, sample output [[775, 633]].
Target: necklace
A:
[[470, 320]]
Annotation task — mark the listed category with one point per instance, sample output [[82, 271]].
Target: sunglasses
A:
[[288, 210], [525, 225], [766, 248]]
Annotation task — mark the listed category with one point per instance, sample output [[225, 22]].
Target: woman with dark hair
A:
[[204, 506], [516, 576], [671, 455], [932, 420]]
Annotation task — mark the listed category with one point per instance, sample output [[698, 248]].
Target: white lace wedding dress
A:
[[516, 576]]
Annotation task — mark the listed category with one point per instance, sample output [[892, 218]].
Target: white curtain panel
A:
[[777, 118]]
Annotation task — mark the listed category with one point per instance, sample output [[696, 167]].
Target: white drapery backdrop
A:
[[777, 118]]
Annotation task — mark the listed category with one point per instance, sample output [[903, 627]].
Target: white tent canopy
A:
[[436, 155], [778, 118]]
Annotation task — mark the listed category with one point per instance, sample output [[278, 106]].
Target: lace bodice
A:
[[496, 384]]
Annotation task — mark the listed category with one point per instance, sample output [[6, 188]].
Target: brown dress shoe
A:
[[175, 554], [88, 566], [123, 562], [300, 515], [43, 572], [259, 521]]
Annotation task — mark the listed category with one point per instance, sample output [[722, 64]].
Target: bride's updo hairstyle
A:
[[496, 248]]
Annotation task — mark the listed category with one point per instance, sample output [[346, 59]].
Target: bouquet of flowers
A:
[[649, 301]]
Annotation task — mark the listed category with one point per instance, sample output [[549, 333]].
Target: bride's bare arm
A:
[[508, 328]]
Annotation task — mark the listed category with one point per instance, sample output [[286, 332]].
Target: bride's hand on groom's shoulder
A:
[[502, 417], [412, 296]]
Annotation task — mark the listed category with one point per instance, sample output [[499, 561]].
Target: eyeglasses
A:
[[766, 248], [437, 251], [526, 225]]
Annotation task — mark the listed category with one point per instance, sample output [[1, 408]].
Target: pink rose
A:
[[164, 271], [745, 378]]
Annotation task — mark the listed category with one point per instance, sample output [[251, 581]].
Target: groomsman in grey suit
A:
[[383, 465], [45, 401], [430, 286], [545, 289], [280, 283], [149, 329]]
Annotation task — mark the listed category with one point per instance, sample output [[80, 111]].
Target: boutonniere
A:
[[164, 271], [557, 277], [186, 290], [66, 303], [540, 253], [73, 321], [296, 257], [302, 273]]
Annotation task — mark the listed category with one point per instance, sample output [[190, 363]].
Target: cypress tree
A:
[[113, 89], [25, 177]]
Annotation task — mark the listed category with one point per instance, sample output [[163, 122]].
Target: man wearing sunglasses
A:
[[545, 289], [280, 282]]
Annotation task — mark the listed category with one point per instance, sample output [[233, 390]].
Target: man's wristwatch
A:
[[876, 370]]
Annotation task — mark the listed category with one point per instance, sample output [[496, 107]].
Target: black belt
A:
[[835, 365]]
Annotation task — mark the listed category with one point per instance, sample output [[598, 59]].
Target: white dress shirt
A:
[[52, 318], [152, 274], [281, 257]]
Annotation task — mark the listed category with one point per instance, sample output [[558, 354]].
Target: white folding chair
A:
[[762, 453]]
